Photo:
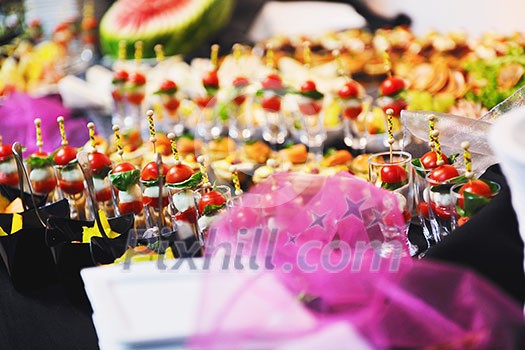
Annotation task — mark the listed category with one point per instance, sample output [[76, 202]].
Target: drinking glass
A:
[[354, 115], [437, 195], [208, 214], [393, 171], [466, 204]]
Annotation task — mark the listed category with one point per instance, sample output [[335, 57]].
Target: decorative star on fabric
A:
[[353, 209], [318, 220]]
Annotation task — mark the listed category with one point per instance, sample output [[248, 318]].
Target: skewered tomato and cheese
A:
[[272, 90], [42, 175], [182, 180], [391, 95], [310, 99], [149, 177], [125, 178], [211, 84], [100, 167], [119, 81], [8, 169], [351, 95], [71, 179], [136, 88], [239, 85], [167, 93]]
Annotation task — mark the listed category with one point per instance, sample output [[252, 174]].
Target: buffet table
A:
[[56, 317]]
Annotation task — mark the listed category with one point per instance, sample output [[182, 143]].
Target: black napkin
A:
[[489, 242]]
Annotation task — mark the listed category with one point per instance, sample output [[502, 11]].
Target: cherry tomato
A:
[[273, 82], [9, 179], [441, 212], [40, 154], [103, 195], [5, 152], [311, 108], [407, 216], [189, 216], [123, 167], [397, 106], [211, 79], [393, 173], [168, 85], [210, 198], [117, 96], [462, 221], [137, 78], [240, 82], [479, 187], [391, 85], [130, 207], [308, 86], [172, 104], [349, 90], [150, 172], [271, 104], [207, 101], [429, 160], [120, 76], [154, 201], [239, 100], [352, 112], [443, 173], [98, 162], [178, 173], [44, 186], [422, 209], [65, 155], [135, 98], [71, 187]]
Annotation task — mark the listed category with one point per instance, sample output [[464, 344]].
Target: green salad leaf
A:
[[190, 183], [122, 181], [212, 209], [40, 162]]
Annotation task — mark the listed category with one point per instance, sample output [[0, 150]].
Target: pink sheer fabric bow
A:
[[343, 290], [18, 112]]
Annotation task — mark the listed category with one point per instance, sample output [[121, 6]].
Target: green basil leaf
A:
[[70, 166], [40, 162], [494, 187], [222, 112], [150, 183], [314, 95], [190, 183], [392, 186], [122, 181], [473, 202], [211, 90], [288, 144], [457, 180], [460, 211], [330, 151], [103, 173], [212, 209], [279, 92], [418, 166], [166, 92], [442, 188], [187, 135], [453, 158]]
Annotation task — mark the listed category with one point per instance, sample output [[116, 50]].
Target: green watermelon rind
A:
[[180, 38]]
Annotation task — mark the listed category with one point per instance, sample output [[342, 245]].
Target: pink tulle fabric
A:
[[18, 113], [354, 286]]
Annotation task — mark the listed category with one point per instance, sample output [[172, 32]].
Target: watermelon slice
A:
[[179, 25]]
